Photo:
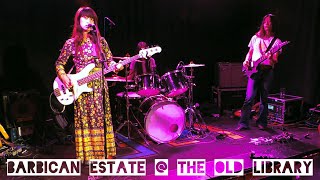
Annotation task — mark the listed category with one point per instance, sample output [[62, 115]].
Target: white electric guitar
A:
[[80, 80]]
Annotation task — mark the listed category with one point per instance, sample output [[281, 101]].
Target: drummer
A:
[[141, 66]]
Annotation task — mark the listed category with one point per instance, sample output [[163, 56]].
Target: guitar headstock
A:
[[144, 53], [279, 46], [284, 43]]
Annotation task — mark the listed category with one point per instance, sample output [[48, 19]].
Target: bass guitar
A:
[[252, 71], [79, 80]]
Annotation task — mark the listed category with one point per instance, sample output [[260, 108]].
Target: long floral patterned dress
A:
[[88, 108]]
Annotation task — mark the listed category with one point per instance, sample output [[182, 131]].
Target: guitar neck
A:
[[98, 74], [272, 50], [260, 60]]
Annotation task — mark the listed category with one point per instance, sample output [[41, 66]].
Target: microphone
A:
[[111, 22], [93, 26], [179, 65]]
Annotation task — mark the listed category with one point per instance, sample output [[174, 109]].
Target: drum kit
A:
[[164, 119]]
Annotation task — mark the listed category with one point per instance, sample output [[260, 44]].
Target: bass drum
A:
[[164, 119]]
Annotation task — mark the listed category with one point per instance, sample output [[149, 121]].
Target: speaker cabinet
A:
[[228, 98], [20, 108], [230, 75]]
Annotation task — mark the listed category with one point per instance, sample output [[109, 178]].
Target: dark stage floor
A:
[[221, 142]]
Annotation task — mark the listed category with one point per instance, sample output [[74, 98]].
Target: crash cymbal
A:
[[117, 79], [193, 65]]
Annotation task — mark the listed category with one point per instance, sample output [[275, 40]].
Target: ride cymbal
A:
[[193, 65]]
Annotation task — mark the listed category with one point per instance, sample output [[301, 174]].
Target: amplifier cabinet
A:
[[228, 98], [20, 108], [284, 110], [230, 75]]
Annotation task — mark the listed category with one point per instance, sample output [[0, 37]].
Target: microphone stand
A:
[[111, 24], [153, 72], [103, 92]]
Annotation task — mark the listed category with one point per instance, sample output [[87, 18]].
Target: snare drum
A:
[[131, 95], [175, 83], [120, 108], [164, 119], [148, 84]]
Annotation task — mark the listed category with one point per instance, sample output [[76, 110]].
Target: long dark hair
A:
[[274, 22], [141, 45], [77, 32]]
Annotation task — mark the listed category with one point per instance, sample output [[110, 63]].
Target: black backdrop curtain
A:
[[205, 31]]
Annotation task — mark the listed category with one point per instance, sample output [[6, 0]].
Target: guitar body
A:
[[80, 80], [252, 71], [66, 96]]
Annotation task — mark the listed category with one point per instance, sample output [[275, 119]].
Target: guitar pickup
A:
[[57, 92]]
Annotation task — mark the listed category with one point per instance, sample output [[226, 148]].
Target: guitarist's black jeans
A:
[[258, 86]]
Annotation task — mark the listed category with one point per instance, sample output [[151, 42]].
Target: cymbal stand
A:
[[128, 122], [192, 112]]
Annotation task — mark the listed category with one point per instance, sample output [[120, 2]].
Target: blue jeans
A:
[[260, 87]]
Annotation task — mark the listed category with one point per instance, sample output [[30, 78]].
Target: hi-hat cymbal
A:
[[193, 65], [117, 78]]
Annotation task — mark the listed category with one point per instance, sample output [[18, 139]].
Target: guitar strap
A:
[[260, 74], [271, 44]]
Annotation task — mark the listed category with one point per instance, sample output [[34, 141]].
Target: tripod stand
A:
[[127, 122], [193, 114]]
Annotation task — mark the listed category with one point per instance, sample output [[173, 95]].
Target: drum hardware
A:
[[127, 122], [191, 110], [130, 94], [134, 100], [188, 77]]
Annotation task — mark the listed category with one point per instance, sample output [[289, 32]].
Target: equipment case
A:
[[284, 110]]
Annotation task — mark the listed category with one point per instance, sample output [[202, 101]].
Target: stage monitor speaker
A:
[[230, 75]]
